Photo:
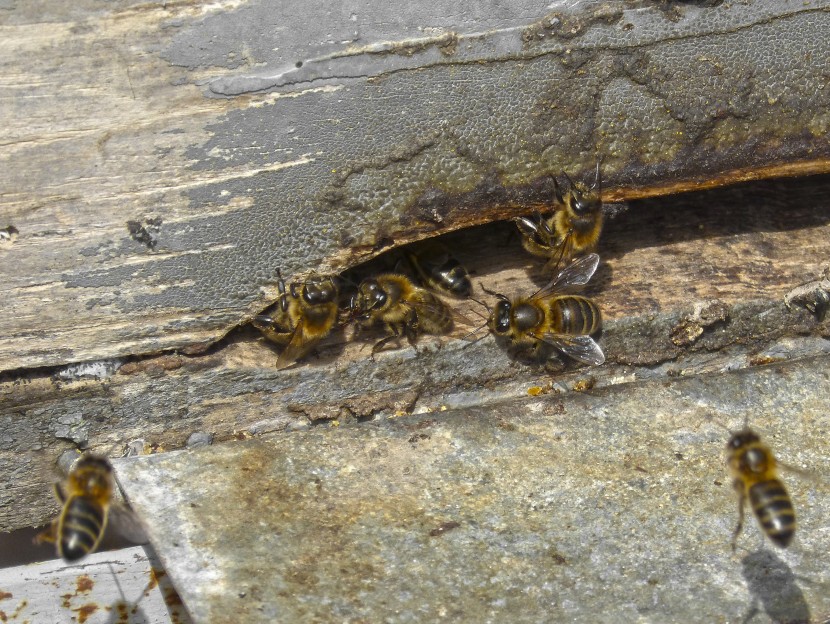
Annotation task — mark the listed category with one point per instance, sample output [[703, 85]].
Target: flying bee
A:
[[564, 321], [755, 477], [87, 499], [572, 229], [439, 270], [302, 317], [406, 310]]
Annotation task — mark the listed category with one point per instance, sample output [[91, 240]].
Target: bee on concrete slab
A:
[[304, 315], [394, 301], [572, 229], [550, 317], [755, 478]]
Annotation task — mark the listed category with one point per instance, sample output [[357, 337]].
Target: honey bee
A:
[[572, 229], [87, 499], [439, 270], [406, 310], [755, 477], [548, 317], [301, 318]]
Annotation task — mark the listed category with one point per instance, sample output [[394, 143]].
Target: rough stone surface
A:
[[607, 505]]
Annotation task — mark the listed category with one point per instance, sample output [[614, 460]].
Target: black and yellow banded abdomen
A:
[[80, 529], [574, 315], [774, 510]]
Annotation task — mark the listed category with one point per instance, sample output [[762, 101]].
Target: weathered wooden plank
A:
[[246, 136], [105, 588], [741, 249]]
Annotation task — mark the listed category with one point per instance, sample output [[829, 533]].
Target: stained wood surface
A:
[[162, 160], [124, 587], [731, 254]]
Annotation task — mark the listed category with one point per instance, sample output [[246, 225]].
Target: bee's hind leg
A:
[[395, 335], [740, 526]]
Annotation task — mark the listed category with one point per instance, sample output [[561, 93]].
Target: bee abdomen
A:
[[81, 528], [575, 315], [455, 279], [774, 509], [434, 317]]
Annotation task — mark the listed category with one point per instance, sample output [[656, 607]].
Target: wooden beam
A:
[[163, 160]]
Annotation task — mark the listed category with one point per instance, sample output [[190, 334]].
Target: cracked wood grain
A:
[[114, 119], [688, 285]]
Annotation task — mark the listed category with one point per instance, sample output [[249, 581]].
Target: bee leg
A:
[[410, 330], [550, 233], [396, 333], [48, 535], [59, 493], [740, 526], [283, 295]]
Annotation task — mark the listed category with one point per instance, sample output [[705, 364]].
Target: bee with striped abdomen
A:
[[86, 498], [439, 270], [391, 299], [563, 321], [304, 315], [755, 475], [572, 229]]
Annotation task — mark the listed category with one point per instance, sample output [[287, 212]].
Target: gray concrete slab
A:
[[608, 505]]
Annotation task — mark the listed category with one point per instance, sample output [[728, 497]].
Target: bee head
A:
[[500, 318], [742, 438], [582, 201], [370, 296], [319, 291]]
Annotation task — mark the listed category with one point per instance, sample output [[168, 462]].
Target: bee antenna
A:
[[490, 292], [348, 281], [561, 255], [598, 179], [481, 303], [568, 178], [473, 333], [479, 314]]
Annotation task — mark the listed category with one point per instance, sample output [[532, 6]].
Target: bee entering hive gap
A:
[[429, 288]]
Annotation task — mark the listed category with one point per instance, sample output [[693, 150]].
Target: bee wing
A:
[[577, 273], [801, 472], [296, 348], [461, 319], [433, 304], [123, 521], [580, 347]]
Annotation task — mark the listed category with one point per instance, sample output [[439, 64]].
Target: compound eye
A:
[[583, 204], [311, 295], [372, 294], [327, 291], [378, 296], [502, 316]]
